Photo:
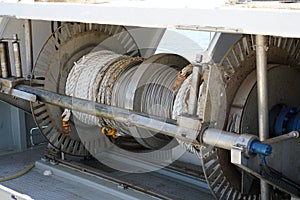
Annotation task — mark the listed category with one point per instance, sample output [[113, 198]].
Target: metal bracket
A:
[[7, 87], [11, 82], [190, 122], [204, 93], [237, 155]]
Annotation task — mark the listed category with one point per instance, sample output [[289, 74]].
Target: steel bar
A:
[[287, 136], [131, 118], [194, 91], [19, 94], [28, 44], [17, 57], [3, 61], [262, 94]]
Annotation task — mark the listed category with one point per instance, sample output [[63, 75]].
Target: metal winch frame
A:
[[195, 133], [238, 144]]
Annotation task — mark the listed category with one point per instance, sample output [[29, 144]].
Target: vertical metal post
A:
[[194, 91], [262, 94], [28, 45], [18, 128], [17, 57], [3, 61]]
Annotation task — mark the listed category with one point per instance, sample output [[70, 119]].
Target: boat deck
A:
[[92, 182]]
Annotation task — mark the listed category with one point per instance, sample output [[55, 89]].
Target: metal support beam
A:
[[262, 90], [194, 91], [161, 14], [28, 45], [18, 129]]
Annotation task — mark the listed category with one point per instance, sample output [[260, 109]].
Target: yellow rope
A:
[[19, 174]]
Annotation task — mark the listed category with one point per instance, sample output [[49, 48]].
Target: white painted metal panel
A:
[[271, 18], [7, 194]]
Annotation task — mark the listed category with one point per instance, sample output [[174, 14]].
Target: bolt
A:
[[292, 111], [53, 162], [45, 159], [123, 186]]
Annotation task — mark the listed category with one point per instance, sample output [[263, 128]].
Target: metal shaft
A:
[[3, 61], [262, 94], [17, 57], [223, 139], [131, 118], [28, 44], [194, 91]]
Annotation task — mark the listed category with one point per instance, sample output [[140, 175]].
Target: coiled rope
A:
[[105, 77]]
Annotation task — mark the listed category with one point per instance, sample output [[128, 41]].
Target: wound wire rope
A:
[[106, 77]]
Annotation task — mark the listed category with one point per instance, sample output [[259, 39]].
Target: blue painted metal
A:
[[294, 123], [284, 119], [256, 147], [273, 114]]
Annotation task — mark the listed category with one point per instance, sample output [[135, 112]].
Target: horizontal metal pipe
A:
[[225, 140], [131, 118], [219, 138]]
